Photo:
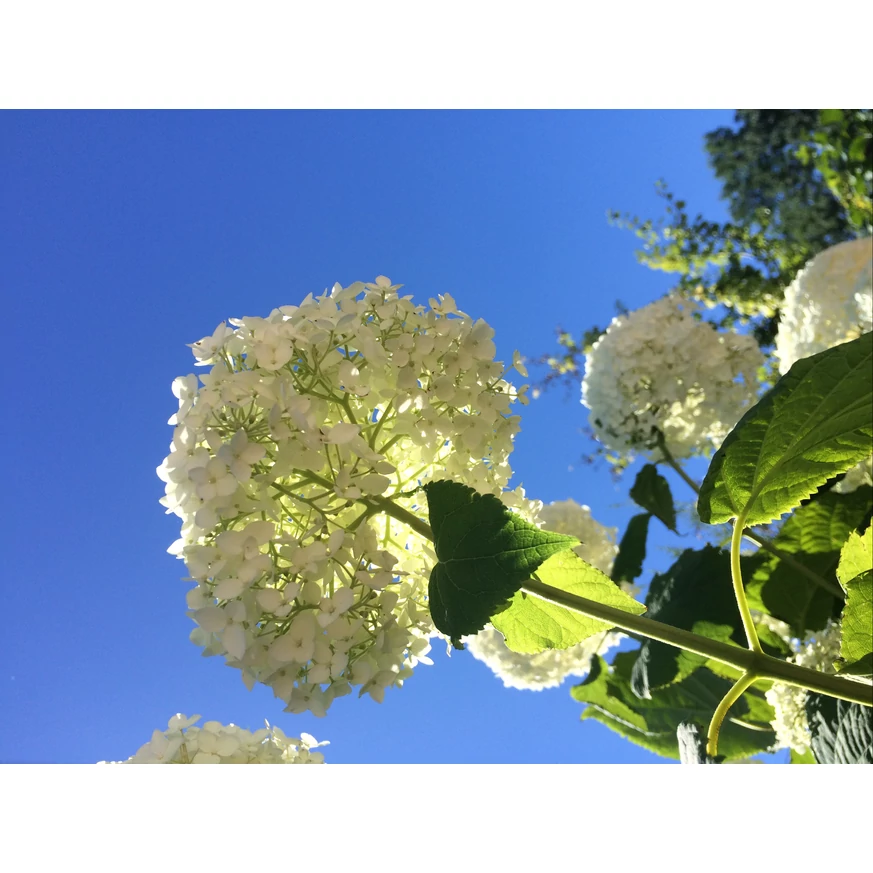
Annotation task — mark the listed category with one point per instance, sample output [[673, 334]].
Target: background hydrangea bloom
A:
[[830, 302], [550, 668], [818, 652], [215, 743], [660, 368], [295, 466]]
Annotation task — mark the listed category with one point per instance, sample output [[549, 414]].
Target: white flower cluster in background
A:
[[215, 743], [294, 467], [597, 542], [817, 652], [550, 668], [544, 670], [830, 302], [860, 474], [660, 368]]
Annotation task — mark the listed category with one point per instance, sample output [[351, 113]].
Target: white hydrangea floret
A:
[[829, 302], [215, 743], [817, 652], [295, 468], [550, 668], [661, 369]]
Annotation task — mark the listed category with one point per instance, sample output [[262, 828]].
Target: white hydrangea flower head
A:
[[544, 670], [215, 743], [817, 652], [550, 668], [829, 302], [860, 474], [295, 467], [598, 542], [661, 369]]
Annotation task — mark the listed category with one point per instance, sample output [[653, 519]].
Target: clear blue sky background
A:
[[124, 236]]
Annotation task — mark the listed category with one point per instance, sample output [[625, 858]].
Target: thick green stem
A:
[[765, 667], [389, 507], [721, 711], [739, 591], [671, 461]]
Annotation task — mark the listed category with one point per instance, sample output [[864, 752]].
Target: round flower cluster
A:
[[215, 743], [830, 302], [661, 369], [544, 670], [295, 467], [818, 652], [550, 668], [597, 542]]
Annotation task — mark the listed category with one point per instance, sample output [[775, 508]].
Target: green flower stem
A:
[[739, 591], [672, 462], [721, 711], [765, 667], [389, 507]]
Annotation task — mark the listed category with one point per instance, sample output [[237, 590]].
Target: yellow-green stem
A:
[[721, 710], [739, 591]]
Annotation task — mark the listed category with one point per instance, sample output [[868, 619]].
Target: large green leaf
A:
[[484, 554], [842, 733], [694, 594], [530, 624], [855, 573], [823, 525], [813, 535], [816, 422], [779, 590], [652, 491], [653, 723], [628, 562]]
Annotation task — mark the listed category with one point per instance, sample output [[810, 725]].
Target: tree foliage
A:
[[795, 181]]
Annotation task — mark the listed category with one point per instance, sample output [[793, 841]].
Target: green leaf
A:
[[530, 624], [816, 422], [484, 554], [814, 535], [831, 116], [842, 733], [694, 594], [652, 491], [858, 148], [653, 723], [779, 590], [628, 562], [823, 525], [806, 758], [855, 573]]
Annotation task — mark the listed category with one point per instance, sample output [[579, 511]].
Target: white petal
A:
[[234, 639], [211, 618]]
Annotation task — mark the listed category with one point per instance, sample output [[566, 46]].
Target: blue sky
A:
[[124, 236]]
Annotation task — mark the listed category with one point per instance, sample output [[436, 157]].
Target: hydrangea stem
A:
[[739, 591], [765, 667], [745, 681]]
